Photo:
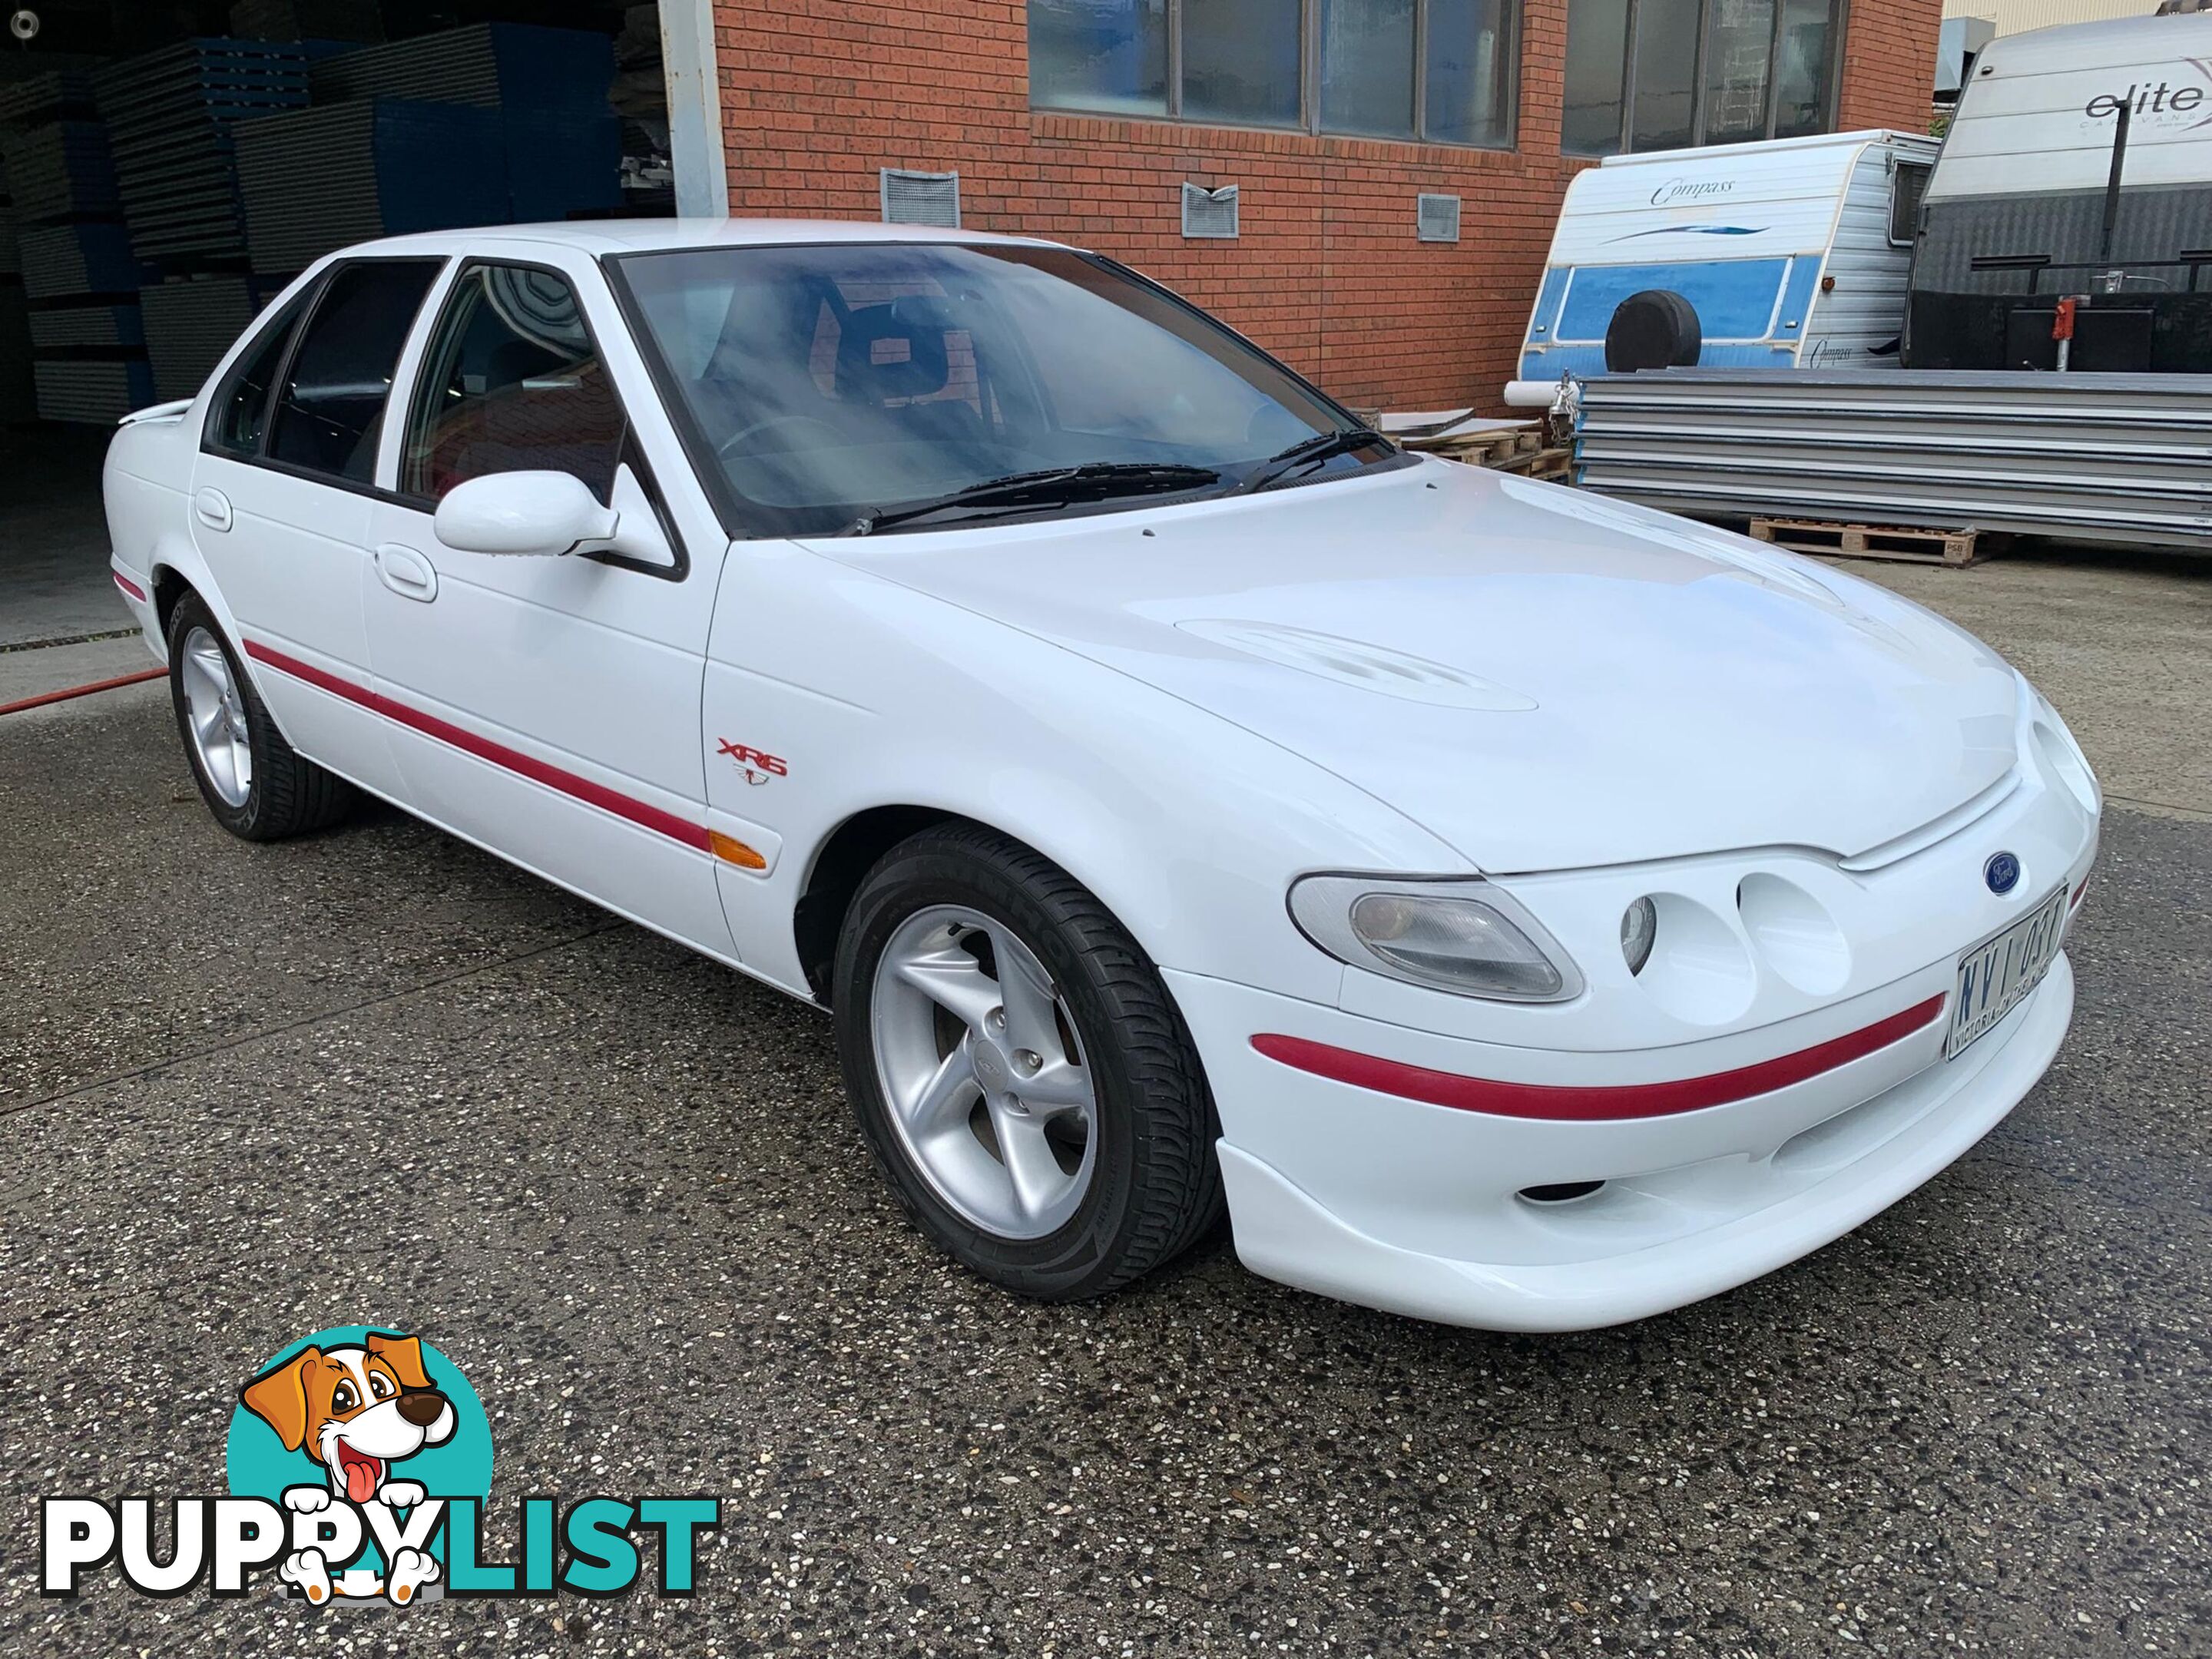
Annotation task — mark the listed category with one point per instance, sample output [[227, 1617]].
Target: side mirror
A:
[[546, 513]]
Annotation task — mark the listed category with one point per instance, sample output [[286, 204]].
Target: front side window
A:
[[511, 382], [1445, 71], [330, 408], [826, 384], [1645, 74], [238, 412]]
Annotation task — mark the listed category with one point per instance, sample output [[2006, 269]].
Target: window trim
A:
[[329, 275], [1839, 13], [291, 316], [630, 453], [1309, 121], [1897, 165]]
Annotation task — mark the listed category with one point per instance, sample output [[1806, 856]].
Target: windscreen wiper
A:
[[1054, 486], [1306, 452]]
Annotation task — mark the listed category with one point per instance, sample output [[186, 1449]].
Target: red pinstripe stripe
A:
[[128, 586], [1590, 1105], [512, 760]]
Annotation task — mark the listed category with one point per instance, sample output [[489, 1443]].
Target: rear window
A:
[[1736, 298]]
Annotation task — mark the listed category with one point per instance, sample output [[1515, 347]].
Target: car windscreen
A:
[[822, 383]]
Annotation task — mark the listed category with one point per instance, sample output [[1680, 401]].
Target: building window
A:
[[1442, 71], [1660, 74]]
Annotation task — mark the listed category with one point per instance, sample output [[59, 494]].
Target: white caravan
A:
[[2079, 166], [1787, 254]]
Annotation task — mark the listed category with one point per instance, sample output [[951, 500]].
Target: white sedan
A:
[[1521, 910]]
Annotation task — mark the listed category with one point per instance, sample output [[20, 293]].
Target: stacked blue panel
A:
[[560, 137]]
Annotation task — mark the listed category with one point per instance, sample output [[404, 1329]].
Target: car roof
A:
[[607, 236]]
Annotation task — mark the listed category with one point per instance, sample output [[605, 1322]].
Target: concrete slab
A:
[[34, 671], [376, 1075], [53, 536]]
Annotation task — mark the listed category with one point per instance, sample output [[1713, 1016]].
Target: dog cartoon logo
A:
[[358, 1414]]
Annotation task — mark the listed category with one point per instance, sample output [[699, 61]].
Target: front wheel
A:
[[1018, 1069], [252, 781]]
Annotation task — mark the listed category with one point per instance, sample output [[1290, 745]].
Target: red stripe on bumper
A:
[[128, 586], [1593, 1105], [607, 800]]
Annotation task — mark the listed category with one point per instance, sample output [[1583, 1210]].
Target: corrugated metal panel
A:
[[2119, 458]]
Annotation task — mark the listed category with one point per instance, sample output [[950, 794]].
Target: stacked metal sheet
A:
[[307, 20], [91, 389], [59, 169], [320, 179], [486, 64], [70, 328], [18, 392], [57, 95], [189, 324], [2115, 457], [61, 262], [11, 252], [549, 86], [58, 328], [170, 118]]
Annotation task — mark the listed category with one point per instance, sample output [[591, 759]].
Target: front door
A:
[[547, 707]]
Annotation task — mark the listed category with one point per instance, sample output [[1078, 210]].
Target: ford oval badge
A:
[[2001, 872]]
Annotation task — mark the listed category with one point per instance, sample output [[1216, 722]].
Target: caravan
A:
[[1787, 254], [2079, 166]]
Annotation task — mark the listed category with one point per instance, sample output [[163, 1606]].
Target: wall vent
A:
[[1209, 212], [1436, 218], [921, 199]]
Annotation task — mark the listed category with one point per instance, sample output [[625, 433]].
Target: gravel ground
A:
[[378, 1076]]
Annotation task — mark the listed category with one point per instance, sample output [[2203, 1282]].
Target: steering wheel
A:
[[738, 437]]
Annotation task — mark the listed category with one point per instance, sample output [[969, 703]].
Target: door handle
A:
[[212, 508], [406, 573]]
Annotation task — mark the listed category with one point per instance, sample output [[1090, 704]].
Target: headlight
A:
[[1463, 936], [2064, 756]]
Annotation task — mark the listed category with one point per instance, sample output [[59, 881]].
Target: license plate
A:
[[1995, 976]]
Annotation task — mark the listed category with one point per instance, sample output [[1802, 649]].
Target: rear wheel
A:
[[255, 785], [1018, 1069]]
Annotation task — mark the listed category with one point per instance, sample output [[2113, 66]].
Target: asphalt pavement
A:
[[378, 1076]]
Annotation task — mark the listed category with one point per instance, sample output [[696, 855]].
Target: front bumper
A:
[[1418, 1209]]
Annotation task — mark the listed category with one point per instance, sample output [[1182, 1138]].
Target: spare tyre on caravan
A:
[[1787, 253]]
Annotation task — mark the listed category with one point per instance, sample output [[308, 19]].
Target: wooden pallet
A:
[[1910, 542], [1485, 446]]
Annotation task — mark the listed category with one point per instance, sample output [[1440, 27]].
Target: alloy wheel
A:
[[978, 1058]]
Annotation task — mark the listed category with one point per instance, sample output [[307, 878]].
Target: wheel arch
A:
[[835, 873]]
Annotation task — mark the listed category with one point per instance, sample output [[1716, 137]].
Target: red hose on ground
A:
[[43, 698]]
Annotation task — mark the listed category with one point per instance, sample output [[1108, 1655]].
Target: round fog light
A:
[[1639, 929]]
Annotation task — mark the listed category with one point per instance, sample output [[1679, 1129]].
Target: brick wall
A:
[[818, 94]]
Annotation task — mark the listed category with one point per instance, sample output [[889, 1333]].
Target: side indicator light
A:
[[731, 850], [2079, 893]]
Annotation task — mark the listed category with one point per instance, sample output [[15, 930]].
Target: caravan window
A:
[[1906, 186], [1734, 297]]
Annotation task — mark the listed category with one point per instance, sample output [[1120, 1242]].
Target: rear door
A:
[[282, 496], [548, 707]]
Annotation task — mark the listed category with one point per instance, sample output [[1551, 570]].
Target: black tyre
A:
[[1018, 1068], [1655, 329], [251, 781]]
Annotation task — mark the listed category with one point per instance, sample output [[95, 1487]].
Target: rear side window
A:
[[330, 407], [511, 382], [240, 410]]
